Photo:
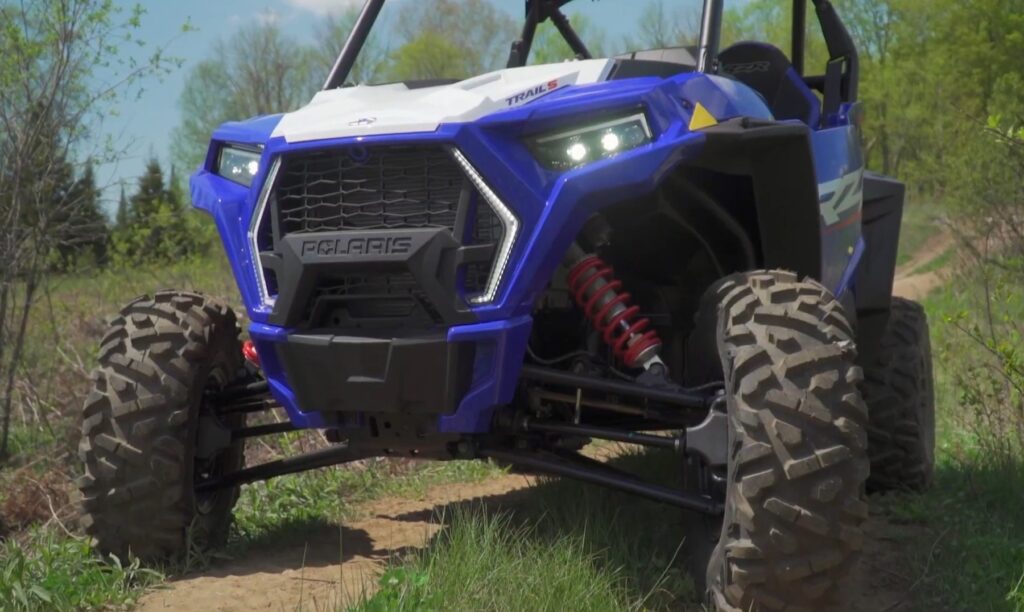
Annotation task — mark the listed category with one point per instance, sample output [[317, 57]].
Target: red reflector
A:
[[250, 354]]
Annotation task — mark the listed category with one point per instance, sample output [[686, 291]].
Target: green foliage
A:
[[428, 56], [157, 226], [550, 47], [49, 571], [966, 545]]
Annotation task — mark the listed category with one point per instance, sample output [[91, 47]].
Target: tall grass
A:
[[970, 554], [49, 571], [490, 561], [624, 552]]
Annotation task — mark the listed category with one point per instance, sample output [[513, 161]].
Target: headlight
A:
[[238, 164], [589, 143]]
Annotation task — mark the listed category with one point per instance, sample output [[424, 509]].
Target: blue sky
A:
[[144, 126]]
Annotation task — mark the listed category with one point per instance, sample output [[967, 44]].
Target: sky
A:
[[143, 126]]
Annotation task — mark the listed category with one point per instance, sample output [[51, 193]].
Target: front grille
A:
[[368, 188], [376, 188]]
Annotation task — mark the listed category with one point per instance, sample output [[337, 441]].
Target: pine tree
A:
[[174, 192], [88, 225], [150, 197], [121, 220]]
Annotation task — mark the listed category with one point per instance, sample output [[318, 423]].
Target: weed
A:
[[49, 571]]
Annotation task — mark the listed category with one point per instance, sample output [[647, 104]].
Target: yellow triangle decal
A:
[[701, 118]]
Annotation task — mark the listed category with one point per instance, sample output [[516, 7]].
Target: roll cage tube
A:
[[839, 83], [354, 44], [537, 11]]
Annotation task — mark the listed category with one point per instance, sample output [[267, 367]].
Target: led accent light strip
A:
[[254, 228], [508, 221]]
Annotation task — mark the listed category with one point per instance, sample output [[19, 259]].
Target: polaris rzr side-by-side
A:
[[674, 248]]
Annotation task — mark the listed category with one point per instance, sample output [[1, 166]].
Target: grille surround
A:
[[374, 191]]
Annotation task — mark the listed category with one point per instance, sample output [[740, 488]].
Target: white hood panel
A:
[[394, 109]]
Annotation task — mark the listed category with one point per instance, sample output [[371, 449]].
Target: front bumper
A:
[[323, 380]]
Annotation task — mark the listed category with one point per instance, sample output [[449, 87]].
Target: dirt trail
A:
[[305, 571], [913, 284]]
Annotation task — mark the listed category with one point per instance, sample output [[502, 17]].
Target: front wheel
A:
[[797, 445], [142, 421]]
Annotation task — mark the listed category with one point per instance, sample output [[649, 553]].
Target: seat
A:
[[766, 69]]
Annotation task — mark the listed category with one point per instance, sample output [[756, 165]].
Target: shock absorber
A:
[[599, 294]]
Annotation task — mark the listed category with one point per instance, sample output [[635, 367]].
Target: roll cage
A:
[[837, 85]]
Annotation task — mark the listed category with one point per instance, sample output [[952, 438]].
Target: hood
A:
[[366, 110]]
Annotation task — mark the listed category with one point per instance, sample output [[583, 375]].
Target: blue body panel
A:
[[551, 208]]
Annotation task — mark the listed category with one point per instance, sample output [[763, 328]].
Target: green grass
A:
[[49, 571], [276, 509], [486, 561], [970, 554], [624, 552]]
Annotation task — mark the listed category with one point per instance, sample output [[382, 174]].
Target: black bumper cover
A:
[[332, 373]]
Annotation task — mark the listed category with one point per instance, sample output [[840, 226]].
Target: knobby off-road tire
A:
[[140, 425], [900, 395], [798, 449]]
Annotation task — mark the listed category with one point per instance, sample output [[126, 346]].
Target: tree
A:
[[331, 35], [121, 218], [85, 233], [481, 33], [50, 97], [549, 45], [428, 56], [258, 71], [159, 227], [660, 27]]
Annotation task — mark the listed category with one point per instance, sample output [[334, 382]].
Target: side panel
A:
[[839, 166]]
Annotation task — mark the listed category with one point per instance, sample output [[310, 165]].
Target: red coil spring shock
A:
[[593, 286]]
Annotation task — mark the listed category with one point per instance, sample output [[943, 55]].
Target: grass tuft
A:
[[49, 571], [619, 552], [487, 561]]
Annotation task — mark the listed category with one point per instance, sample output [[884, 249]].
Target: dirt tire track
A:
[[306, 570], [915, 285]]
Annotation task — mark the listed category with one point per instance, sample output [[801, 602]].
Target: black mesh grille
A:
[[376, 188], [368, 188]]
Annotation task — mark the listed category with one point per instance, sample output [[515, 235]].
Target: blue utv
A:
[[674, 248]]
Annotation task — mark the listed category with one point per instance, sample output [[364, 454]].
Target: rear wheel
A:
[[899, 392], [143, 420], [794, 485]]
